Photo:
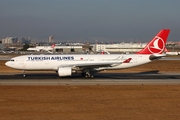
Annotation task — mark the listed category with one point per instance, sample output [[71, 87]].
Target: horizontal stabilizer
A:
[[156, 56]]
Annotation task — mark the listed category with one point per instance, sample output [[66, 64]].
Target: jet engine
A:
[[65, 71]]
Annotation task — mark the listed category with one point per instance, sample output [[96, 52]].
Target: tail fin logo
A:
[[157, 45]]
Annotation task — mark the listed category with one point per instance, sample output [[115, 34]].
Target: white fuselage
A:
[[53, 62]]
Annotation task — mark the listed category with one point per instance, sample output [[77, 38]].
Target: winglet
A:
[[157, 44], [127, 60]]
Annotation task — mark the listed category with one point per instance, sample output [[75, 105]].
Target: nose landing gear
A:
[[23, 72]]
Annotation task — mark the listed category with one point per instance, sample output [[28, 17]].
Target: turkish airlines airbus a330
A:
[[88, 65]]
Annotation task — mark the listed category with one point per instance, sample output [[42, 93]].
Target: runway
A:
[[143, 78]]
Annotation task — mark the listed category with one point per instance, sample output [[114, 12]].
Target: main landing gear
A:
[[88, 75]]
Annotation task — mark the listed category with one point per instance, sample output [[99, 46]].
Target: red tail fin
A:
[[53, 45], [157, 44]]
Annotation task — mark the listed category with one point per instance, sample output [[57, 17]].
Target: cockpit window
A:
[[12, 60]]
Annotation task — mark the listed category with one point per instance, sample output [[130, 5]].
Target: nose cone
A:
[[10, 64], [7, 64]]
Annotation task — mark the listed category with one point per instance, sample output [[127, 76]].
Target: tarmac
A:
[[143, 78]]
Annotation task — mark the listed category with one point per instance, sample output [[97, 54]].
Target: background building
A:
[[121, 47], [10, 40], [51, 39], [24, 40]]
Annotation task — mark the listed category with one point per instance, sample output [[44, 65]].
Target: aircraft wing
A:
[[97, 65], [93, 65]]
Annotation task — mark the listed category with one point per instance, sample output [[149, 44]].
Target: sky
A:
[[90, 20]]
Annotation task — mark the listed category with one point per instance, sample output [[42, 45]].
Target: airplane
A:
[[170, 53], [49, 49], [89, 64]]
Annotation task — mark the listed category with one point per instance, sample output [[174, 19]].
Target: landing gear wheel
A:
[[88, 75], [91, 76]]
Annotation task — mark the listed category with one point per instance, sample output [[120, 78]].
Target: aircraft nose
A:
[[7, 64]]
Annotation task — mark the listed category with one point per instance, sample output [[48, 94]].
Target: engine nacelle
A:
[[64, 71]]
